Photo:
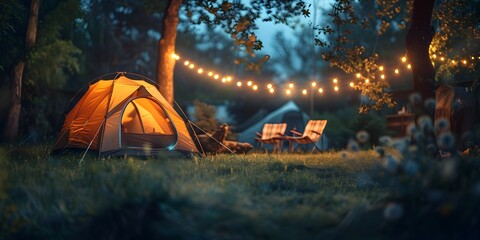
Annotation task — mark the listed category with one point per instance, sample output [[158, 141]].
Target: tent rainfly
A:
[[120, 115]]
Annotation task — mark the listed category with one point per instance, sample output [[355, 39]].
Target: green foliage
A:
[[12, 25], [344, 124], [350, 43], [205, 116], [239, 20]]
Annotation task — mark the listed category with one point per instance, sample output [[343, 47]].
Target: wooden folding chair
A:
[[312, 134], [272, 133]]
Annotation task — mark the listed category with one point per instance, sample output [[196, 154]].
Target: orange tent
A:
[[125, 116]]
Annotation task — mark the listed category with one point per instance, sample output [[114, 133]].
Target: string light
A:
[[313, 84]]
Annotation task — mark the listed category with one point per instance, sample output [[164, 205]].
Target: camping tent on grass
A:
[[290, 114], [120, 115]]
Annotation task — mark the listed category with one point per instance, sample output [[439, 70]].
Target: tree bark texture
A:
[[13, 119], [166, 63], [418, 41]]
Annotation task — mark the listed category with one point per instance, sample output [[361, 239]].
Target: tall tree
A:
[[417, 45], [13, 119], [166, 62]]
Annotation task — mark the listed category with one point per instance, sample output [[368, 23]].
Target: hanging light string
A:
[[291, 89]]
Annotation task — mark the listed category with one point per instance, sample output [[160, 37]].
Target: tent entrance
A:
[[144, 121]]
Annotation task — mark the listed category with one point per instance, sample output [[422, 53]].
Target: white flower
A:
[[441, 124], [411, 167], [352, 146], [393, 211], [446, 140], [425, 123], [430, 104], [362, 136], [385, 140], [400, 145]]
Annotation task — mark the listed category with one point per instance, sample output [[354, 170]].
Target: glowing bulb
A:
[[335, 80], [288, 92], [175, 56], [224, 80], [367, 80], [216, 76], [434, 56], [396, 71], [442, 59], [255, 87], [335, 88], [249, 83], [404, 59], [409, 66], [380, 68], [314, 84], [269, 86], [382, 76], [352, 84], [210, 74], [320, 90], [359, 75], [191, 66], [271, 90], [239, 83], [304, 91], [464, 62], [186, 63], [200, 71], [473, 58], [290, 85], [454, 62], [229, 79]]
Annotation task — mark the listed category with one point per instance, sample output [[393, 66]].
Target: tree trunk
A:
[[166, 63], [13, 119], [418, 41]]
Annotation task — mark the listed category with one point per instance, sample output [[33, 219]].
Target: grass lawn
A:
[[266, 196]]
